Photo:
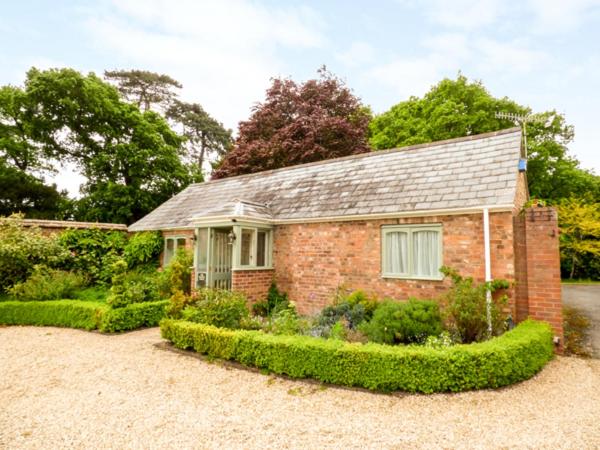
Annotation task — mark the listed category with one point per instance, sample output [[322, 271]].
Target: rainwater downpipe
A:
[[488, 268]]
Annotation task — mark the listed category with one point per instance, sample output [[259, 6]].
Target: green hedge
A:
[[82, 314], [512, 357], [136, 315], [59, 313]]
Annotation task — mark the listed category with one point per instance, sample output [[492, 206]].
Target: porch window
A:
[[412, 251], [255, 247], [171, 246]]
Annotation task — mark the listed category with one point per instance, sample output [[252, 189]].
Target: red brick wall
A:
[[543, 266], [521, 288], [252, 283], [312, 260]]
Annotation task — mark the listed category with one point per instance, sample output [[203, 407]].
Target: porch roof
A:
[[470, 172]]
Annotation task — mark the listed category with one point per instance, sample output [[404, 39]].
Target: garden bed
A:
[[515, 356], [88, 315]]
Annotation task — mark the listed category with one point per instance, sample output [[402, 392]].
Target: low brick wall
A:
[[253, 283], [58, 226]]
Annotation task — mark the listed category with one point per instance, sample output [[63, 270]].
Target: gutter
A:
[[488, 267]]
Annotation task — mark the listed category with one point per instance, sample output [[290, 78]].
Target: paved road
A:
[[587, 299]]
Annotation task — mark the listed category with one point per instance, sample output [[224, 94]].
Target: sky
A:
[[540, 53]]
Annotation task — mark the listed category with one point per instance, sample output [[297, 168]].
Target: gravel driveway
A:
[[63, 388]]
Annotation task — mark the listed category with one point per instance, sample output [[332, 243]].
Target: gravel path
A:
[[63, 388]]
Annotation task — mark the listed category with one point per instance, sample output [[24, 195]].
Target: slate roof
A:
[[469, 172]]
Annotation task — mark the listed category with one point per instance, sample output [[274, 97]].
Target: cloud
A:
[[224, 53], [552, 16], [464, 14], [358, 54]]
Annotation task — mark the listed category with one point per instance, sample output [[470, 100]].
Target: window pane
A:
[[202, 247], [426, 253], [246, 247], [261, 248], [181, 243], [169, 251], [396, 252]]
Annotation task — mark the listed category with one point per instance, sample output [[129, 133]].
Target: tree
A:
[[455, 108], [579, 222], [299, 123], [131, 159], [144, 88], [26, 194], [16, 127], [204, 136]]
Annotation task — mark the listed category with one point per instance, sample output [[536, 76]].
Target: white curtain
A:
[[426, 253], [396, 252]]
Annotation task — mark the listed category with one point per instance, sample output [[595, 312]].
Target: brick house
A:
[[384, 222]]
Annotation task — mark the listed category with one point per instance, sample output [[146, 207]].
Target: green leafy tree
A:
[[131, 159], [456, 108], [144, 88], [579, 222], [204, 136], [24, 193]]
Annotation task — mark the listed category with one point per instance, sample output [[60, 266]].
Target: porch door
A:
[[220, 266]]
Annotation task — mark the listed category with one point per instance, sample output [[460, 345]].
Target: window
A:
[[412, 251], [255, 247], [246, 247], [171, 246]]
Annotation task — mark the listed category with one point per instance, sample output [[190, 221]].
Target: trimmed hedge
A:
[[58, 313], [515, 356], [82, 314], [136, 315]]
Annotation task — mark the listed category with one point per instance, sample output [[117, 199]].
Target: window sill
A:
[[241, 269], [411, 277]]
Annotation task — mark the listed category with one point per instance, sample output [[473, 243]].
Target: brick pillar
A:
[[543, 267]]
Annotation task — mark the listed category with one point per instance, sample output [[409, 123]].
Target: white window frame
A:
[[175, 246], [410, 229], [253, 248]]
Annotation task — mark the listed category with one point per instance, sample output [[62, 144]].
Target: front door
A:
[[220, 265]]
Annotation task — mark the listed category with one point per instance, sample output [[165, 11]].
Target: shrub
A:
[[177, 275], [466, 308], [217, 307], [93, 252], [92, 294], [22, 248], [77, 314], [576, 328], [286, 321], [143, 249], [515, 356], [47, 284], [410, 322], [133, 316], [276, 301], [131, 287], [57, 313]]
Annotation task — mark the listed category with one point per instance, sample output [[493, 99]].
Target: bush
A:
[[57, 313], [411, 322], [177, 275], [466, 309], [82, 314], [22, 248], [513, 357], [286, 321], [131, 287], [47, 284], [576, 329], [217, 307], [133, 316], [93, 252], [276, 301], [143, 249]]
